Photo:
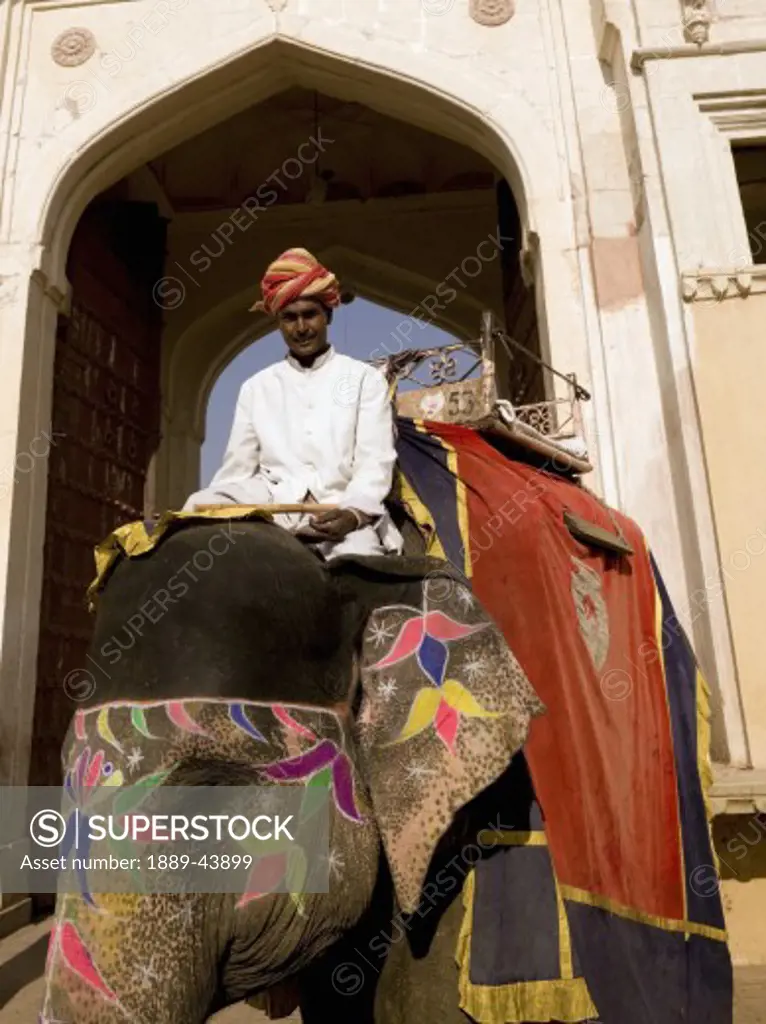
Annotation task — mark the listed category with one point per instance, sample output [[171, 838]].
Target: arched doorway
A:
[[163, 266]]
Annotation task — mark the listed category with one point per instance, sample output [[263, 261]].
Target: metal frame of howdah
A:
[[460, 396]]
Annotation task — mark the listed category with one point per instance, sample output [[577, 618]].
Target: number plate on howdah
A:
[[448, 403]]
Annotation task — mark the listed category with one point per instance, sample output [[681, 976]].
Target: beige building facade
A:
[[592, 171]]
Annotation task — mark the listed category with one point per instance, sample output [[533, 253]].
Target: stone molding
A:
[[707, 285], [492, 12], [728, 48], [736, 114], [277, 5], [738, 790]]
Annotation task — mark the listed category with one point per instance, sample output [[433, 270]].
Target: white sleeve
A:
[[374, 449], [242, 456]]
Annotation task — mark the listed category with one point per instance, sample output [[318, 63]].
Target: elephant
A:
[[381, 677]]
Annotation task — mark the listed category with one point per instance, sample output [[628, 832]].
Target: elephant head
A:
[[382, 678]]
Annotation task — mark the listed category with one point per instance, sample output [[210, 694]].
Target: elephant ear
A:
[[445, 707]]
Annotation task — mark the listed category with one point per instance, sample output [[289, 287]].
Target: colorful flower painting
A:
[[427, 635], [324, 756], [323, 766], [66, 942], [90, 773]]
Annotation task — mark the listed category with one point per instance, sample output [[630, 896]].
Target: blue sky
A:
[[359, 329]]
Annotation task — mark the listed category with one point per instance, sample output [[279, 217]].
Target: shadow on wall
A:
[[22, 969], [740, 844]]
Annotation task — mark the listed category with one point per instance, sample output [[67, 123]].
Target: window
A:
[[750, 164]]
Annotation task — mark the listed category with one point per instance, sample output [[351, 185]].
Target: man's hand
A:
[[336, 524]]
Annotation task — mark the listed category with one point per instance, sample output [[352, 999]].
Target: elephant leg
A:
[[340, 985], [419, 981], [132, 958]]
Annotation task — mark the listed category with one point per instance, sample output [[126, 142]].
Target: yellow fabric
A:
[[462, 498], [565, 1000], [668, 924], [704, 764], [422, 517], [565, 939], [490, 837], [462, 509], [658, 623], [133, 539]]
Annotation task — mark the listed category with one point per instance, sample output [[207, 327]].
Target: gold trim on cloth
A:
[[422, 517], [668, 924], [659, 621], [565, 939], [490, 836], [704, 763], [461, 495], [462, 508], [133, 539], [565, 999]]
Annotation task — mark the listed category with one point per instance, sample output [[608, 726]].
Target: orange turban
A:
[[296, 274]]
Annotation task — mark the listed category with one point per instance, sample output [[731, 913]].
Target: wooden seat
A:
[[298, 507]]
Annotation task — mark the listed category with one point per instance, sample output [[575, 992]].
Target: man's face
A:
[[304, 327]]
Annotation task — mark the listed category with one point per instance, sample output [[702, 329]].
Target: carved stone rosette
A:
[[73, 46], [492, 12], [697, 19]]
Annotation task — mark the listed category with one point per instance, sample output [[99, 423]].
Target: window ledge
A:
[[738, 790], [644, 54], [713, 284]]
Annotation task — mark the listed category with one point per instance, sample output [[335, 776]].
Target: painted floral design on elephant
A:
[[309, 753], [91, 776], [66, 944], [427, 635], [325, 765]]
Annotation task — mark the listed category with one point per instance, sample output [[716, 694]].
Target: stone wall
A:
[[612, 122]]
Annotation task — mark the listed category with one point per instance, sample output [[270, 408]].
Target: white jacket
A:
[[327, 429]]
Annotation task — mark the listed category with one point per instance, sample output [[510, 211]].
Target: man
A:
[[317, 426]]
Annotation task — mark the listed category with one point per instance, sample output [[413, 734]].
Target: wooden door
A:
[[106, 416]]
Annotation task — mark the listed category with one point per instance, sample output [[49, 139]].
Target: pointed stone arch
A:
[[145, 117], [88, 157]]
